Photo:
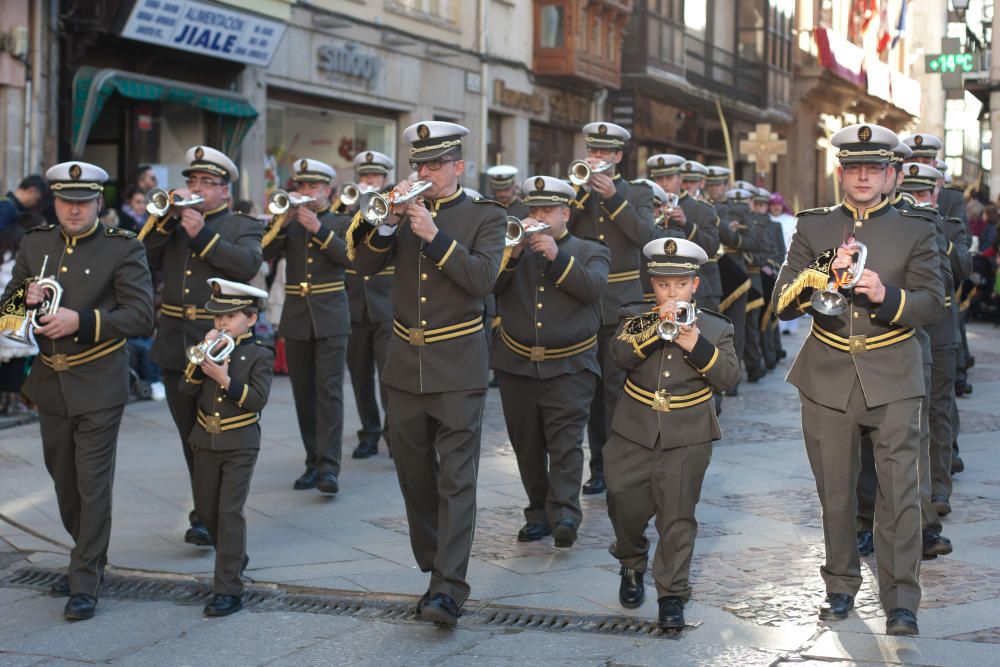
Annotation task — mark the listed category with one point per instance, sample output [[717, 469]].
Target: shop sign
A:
[[348, 61], [201, 27], [515, 99], [569, 109]]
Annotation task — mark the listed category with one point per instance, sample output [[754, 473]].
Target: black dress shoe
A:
[[532, 532], [671, 613], [935, 544], [957, 464], [735, 391], [782, 353], [866, 542], [306, 480], [328, 483], [595, 485], [901, 622], [632, 590], [564, 534], [421, 602], [80, 607], [941, 504], [223, 605], [440, 609], [365, 449], [970, 361], [246, 561], [198, 535], [60, 587], [756, 375], [836, 607]]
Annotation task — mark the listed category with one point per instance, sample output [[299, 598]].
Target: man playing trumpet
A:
[[315, 321], [193, 244], [545, 356], [80, 380]]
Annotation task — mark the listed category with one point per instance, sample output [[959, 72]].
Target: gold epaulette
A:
[[815, 276], [351, 229], [640, 328]]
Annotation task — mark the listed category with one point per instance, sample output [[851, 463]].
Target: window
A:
[[552, 30], [445, 10], [696, 16]]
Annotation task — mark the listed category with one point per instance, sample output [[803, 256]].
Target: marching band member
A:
[[371, 321], [315, 321], [189, 246], [664, 426], [619, 214], [545, 356], [861, 368], [80, 381], [449, 247], [231, 392], [503, 183]]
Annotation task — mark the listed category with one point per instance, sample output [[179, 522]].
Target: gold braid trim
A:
[[507, 250], [639, 329], [815, 276], [147, 227], [272, 231], [351, 229]]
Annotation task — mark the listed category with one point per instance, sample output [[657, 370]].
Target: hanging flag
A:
[[883, 26], [900, 24]]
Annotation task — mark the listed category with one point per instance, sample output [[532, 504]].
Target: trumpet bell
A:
[[350, 193], [668, 329], [515, 231], [22, 334], [579, 172], [278, 202], [158, 202], [828, 302], [377, 210]]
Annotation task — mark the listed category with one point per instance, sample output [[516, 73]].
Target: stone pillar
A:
[[252, 84], [995, 114]]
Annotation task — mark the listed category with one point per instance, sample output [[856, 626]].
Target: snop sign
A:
[[201, 27]]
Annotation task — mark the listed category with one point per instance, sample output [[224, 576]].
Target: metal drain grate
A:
[[359, 605]]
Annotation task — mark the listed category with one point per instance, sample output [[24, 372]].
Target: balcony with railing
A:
[[580, 39]]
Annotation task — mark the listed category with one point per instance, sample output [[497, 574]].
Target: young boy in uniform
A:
[[664, 425], [226, 438]]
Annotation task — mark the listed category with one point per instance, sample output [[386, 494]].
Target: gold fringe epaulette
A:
[[505, 259], [814, 276], [641, 328], [351, 230]]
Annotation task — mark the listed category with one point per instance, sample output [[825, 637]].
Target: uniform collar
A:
[[245, 339], [564, 235], [449, 201], [80, 238], [216, 212], [873, 211], [616, 176]]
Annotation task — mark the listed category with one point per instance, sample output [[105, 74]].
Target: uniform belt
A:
[[663, 401], [63, 362], [307, 289], [947, 302], [537, 353], [860, 344], [623, 277], [213, 424], [753, 269], [422, 337], [731, 251], [188, 311], [391, 271]]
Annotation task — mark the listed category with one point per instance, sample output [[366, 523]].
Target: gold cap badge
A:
[[199, 153], [75, 171], [423, 132], [864, 133], [539, 183], [670, 248]]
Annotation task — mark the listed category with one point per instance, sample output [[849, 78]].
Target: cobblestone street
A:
[[755, 571]]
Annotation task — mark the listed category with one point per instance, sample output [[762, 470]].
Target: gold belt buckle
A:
[[213, 424], [190, 312], [306, 288], [59, 362], [538, 354], [417, 337], [661, 400], [857, 344]]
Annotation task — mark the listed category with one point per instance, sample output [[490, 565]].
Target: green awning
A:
[[92, 87]]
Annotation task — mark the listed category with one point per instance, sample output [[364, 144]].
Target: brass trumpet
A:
[[351, 193], [158, 205], [830, 301], [216, 350], [516, 231], [49, 305], [580, 171], [669, 328], [279, 202], [380, 206]]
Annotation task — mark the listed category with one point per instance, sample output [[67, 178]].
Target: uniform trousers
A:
[[221, 485], [79, 454], [610, 386], [868, 480], [942, 391], [737, 312], [661, 482], [366, 352], [184, 412], [831, 440], [435, 445], [752, 353], [316, 370], [545, 422]]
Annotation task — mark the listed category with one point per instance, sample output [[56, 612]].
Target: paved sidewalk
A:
[[755, 573]]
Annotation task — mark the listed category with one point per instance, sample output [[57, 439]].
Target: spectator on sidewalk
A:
[[133, 210], [27, 197]]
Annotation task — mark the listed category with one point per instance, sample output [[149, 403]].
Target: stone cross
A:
[[763, 147]]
